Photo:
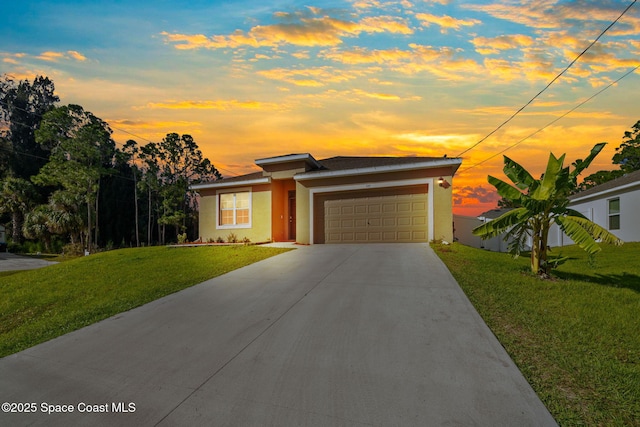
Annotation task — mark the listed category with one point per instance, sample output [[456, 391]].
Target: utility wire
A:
[[549, 84], [553, 121]]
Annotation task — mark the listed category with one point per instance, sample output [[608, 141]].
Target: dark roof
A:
[[494, 213], [629, 178], [341, 163], [247, 177], [346, 162]]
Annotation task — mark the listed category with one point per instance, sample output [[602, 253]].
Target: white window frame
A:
[[234, 192], [610, 214]]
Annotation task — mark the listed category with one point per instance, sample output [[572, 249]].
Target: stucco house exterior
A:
[[336, 200], [614, 205]]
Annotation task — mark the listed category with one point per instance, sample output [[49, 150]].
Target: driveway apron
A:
[[325, 335]]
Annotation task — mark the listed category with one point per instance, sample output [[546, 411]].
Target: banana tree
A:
[[541, 203]]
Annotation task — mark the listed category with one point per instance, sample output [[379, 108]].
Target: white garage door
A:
[[393, 218]]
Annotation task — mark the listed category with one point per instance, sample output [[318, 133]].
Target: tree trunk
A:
[[88, 225], [16, 235], [149, 229], [135, 200], [535, 254], [97, 230]]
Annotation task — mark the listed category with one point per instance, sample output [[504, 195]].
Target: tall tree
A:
[[81, 152], [22, 106], [543, 202], [181, 164], [628, 153], [150, 182], [17, 196], [130, 153], [627, 156]]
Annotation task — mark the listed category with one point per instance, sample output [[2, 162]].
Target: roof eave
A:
[[287, 159], [454, 163], [597, 194], [209, 185]]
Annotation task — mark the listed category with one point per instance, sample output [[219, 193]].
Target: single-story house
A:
[[336, 200], [613, 205]]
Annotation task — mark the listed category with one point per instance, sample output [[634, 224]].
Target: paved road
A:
[[9, 262], [326, 335]]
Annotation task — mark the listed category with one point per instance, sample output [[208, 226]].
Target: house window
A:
[[234, 209], [614, 214]]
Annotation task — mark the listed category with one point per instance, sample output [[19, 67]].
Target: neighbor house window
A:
[[235, 209], [614, 214]]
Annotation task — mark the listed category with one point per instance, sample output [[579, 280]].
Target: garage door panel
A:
[[404, 207], [419, 221], [333, 210], [375, 208], [404, 221], [389, 218]]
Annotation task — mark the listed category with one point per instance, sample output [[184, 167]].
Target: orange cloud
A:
[[143, 125], [445, 22], [315, 77], [441, 62], [381, 24], [76, 55], [56, 56], [365, 56], [308, 31], [214, 105], [491, 45], [50, 56]]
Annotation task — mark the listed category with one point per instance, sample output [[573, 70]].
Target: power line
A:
[[553, 121], [549, 84]]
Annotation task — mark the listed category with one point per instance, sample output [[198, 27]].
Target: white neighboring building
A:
[[614, 205]]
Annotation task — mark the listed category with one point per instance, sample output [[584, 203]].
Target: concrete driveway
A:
[[10, 262], [326, 335]]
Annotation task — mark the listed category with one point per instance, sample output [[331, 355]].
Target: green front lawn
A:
[[576, 338], [38, 305]]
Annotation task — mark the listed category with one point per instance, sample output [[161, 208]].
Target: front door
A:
[[292, 215]]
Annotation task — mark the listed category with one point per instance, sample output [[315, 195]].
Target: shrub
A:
[[232, 238]]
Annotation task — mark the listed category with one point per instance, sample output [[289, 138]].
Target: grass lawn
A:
[[38, 305], [575, 338]]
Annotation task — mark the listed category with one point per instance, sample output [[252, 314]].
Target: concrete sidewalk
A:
[[341, 335], [10, 262]]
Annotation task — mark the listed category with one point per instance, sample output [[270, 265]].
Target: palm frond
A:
[[516, 238], [505, 190], [586, 233], [517, 174], [581, 165], [548, 184], [501, 224]]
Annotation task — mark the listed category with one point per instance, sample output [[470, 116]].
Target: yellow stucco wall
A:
[[442, 211], [260, 230], [302, 214]]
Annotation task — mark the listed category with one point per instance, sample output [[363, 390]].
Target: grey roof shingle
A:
[[345, 163], [629, 178]]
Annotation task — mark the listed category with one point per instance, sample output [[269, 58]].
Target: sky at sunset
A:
[[250, 79]]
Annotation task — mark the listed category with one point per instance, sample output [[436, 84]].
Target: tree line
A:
[[64, 183]]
